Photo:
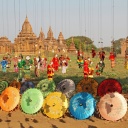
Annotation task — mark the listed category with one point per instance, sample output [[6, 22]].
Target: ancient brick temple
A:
[[124, 46], [28, 43], [5, 45], [72, 47]]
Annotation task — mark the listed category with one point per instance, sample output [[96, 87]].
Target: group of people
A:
[[55, 63], [22, 66], [86, 63]]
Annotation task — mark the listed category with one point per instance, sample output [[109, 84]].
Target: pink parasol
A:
[[112, 106]]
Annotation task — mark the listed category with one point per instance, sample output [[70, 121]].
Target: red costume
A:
[[93, 53], [102, 55], [112, 58], [55, 61], [50, 71], [86, 68]]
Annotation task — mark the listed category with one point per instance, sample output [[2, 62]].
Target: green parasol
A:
[[3, 85], [46, 86], [31, 101]]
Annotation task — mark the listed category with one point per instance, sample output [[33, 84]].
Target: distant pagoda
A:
[[72, 47], [5, 45]]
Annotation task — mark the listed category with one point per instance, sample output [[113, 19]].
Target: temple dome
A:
[[26, 27], [60, 37]]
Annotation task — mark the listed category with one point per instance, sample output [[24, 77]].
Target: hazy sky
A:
[[97, 19]]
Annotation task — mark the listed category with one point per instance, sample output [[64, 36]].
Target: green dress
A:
[[27, 66], [20, 69]]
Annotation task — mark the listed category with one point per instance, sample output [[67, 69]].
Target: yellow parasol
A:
[[9, 99], [55, 105]]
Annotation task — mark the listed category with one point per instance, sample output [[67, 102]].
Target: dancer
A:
[[4, 64], [55, 61], [100, 67], [64, 66], [15, 60], [91, 69], [37, 66], [86, 69], [50, 71], [80, 61], [27, 67], [102, 54], [112, 59], [93, 53], [21, 64], [43, 63]]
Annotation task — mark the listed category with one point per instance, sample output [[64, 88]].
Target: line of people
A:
[[22, 66]]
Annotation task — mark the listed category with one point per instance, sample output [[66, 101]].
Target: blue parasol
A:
[[82, 105], [26, 85]]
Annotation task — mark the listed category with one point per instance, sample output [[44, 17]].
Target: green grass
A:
[[76, 74]]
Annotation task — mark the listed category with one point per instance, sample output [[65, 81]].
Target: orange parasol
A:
[[112, 106], [87, 85], [9, 99]]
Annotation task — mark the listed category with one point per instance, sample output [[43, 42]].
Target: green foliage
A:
[[85, 43]]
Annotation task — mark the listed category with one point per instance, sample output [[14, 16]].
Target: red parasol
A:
[[108, 86]]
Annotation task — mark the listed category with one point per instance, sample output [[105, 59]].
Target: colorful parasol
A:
[[66, 86], [15, 84], [26, 85], [112, 106], [109, 85], [3, 85], [31, 101], [9, 99], [87, 85], [46, 86], [55, 105], [82, 105]]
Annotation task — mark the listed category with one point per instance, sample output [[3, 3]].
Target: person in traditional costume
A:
[[67, 59], [50, 71], [102, 54], [86, 68], [91, 69], [61, 58], [37, 66], [55, 61], [4, 64], [21, 64], [43, 63], [64, 66], [93, 53], [100, 67], [112, 59], [15, 61], [9, 60], [27, 67], [80, 61]]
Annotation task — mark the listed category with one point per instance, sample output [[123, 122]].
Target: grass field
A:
[[76, 74]]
